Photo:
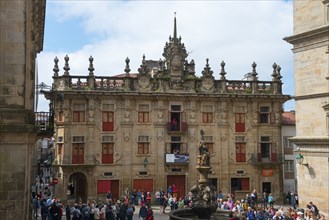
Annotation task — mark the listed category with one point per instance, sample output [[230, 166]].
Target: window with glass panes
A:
[[289, 166], [78, 146], [143, 113], [286, 142], [264, 114], [79, 113], [240, 149], [143, 145], [107, 149], [207, 114], [208, 140], [108, 117], [240, 124]]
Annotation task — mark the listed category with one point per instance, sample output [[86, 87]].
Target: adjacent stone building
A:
[[142, 130], [21, 38], [311, 58], [289, 169]]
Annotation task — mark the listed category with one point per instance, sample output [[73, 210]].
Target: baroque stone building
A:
[[311, 58], [21, 38], [142, 130]]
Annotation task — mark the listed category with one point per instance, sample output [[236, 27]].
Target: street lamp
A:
[[300, 160]]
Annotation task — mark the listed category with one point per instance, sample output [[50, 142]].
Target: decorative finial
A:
[[127, 69], [254, 73], [143, 68], [56, 70], [66, 66], [175, 27], [206, 69], [91, 66], [222, 71]]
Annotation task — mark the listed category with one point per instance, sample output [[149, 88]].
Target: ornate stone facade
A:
[[21, 38], [140, 131], [311, 57]]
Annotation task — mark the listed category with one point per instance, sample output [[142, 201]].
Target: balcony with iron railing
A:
[[176, 128], [44, 122], [272, 159]]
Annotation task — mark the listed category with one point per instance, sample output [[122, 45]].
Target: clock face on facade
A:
[[207, 83], [143, 82]]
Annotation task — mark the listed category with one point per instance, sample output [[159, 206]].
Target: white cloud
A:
[[238, 32]]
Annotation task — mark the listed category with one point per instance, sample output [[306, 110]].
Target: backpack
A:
[[76, 214], [130, 211]]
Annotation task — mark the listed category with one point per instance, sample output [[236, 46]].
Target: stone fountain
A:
[[202, 205]]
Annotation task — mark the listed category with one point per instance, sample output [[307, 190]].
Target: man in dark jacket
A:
[[123, 211], [143, 212]]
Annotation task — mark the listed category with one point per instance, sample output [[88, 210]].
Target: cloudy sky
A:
[[236, 32]]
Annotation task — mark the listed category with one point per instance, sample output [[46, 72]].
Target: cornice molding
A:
[[310, 39], [312, 33], [312, 96]]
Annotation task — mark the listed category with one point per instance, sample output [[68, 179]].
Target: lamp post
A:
[[300, 160]]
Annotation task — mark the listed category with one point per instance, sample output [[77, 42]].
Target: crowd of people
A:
[[251, 207]]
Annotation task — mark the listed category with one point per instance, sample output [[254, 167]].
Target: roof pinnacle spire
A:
[[175, 27]]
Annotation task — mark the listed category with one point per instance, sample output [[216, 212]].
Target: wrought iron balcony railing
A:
[[273, 158], [44, 122]]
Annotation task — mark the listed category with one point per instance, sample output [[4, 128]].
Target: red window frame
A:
[[143, 117], [107, 153], [207, 117], [107, 121], [240, 152], [78, 153], [240, 122], [78, 116], [143, 148]]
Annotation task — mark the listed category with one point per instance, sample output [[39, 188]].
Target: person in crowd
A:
[[265, 199], [44, 210], [96, 212], [250, 214], [123, 211], [134, 197], [143, 212], [253, 196], [271, 199], [150, 214], [85, 212], [314, 209], [162, 202], [130, 212], [148, 199], [300, 216], [68, 211], [139, 196], [109, 213]]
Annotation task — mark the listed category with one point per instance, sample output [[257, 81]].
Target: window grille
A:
[[78, 139]]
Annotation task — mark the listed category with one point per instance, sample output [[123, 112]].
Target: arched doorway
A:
[[77, 187]]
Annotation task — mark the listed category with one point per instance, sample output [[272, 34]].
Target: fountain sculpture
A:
[[202, 205]]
